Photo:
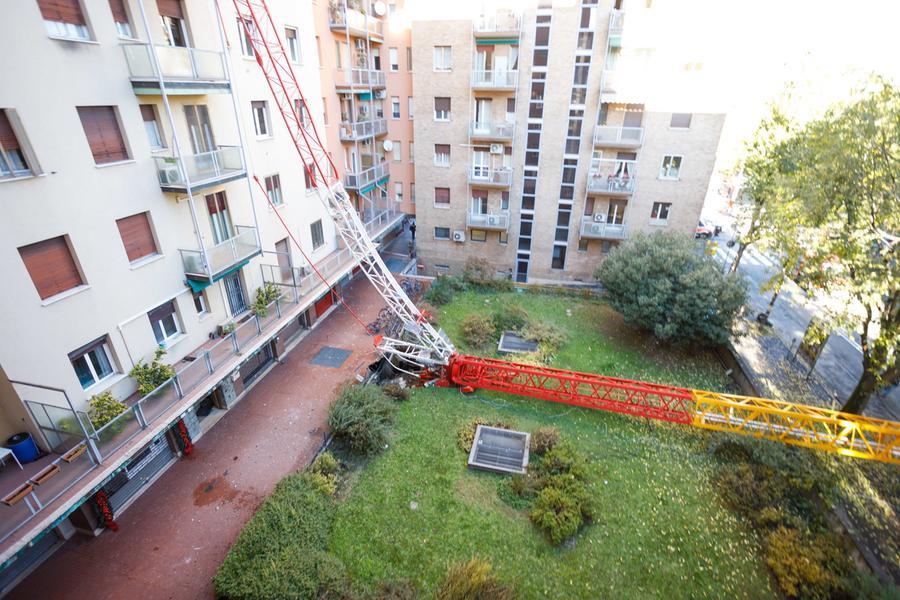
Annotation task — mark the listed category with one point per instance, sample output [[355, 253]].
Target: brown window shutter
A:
[[442, 104], [7, 135], [170, 8], [120, 15], [102, 130], [51, 266], [62, 11], [442, 195], [137, 236], [162, 311], [148, 113]]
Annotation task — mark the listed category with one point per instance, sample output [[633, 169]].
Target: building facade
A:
[[546, 137]]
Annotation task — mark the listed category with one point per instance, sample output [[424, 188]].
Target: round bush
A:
[[544, 439], [362, 416], [473, 580], [557, 514], [477, 330]]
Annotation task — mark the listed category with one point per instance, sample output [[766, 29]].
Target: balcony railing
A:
[[359, 78], [618, 137], [601, 230], [616, 21], [175, 62], [491, 131], [358, 130], [222, 256], [359, 23], [356, 180], [612, 177], [497, 24], [490, 177], [494, 79], [498, 222], [203, 170]]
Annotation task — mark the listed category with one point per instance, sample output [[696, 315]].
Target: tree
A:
[[661, 283], [841, 214]]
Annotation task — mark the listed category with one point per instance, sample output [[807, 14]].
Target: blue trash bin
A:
[[23, 446]]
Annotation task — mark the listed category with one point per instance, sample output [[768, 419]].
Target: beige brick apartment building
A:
[[545, 137]]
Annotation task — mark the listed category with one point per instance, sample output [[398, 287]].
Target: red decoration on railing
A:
[[103, 504], [187, 446]]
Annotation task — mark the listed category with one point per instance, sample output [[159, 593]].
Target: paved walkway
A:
[[173, 538]]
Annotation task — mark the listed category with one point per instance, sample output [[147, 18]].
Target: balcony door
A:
[[481, 161], [234, 291], [501, 68], [219, 219], [283, 253], [615, 214], [483, 115], [171, 13], [200, 128], [479, 202]]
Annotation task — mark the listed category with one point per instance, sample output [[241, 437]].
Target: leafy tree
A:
[[661, 283], [842, 216]]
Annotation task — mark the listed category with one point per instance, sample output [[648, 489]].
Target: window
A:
[[394, 57], [503, 238], [200, 303], [582, 245], [442, 233], [504, 201], [442, 197], [12, 158], [317, 234], [412, 193], [392, 7], [92, 362], [671, 167], [409, 106], [324, 111], [397, 151], [442, 155], [559, 258], [395, 107], [660, 212], [398, 191], [64, 18], [680, 121], [442, 58], [319, 51], [120, 18], [293, 44], [137, 236], [51, 266], [171, 14], [101, 126], [409, 59], [309, 178], [261, 118], [273, 189], [164, 323], [412, 152], [442, 109], [478, 235], [151, 126], [245, 30]]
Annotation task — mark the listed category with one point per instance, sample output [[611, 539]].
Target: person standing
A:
[[412, 229]]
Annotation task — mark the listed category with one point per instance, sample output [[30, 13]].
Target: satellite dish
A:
[[379, 8], [388, 145]]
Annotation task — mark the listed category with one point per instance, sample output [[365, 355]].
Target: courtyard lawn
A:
[[661, 530]]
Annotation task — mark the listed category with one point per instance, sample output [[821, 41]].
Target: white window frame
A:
[[70, 31], [398, 191], [168, 337], [394, 59], [665, 173], [257, 125], [294, 52], [447, 239], [278, 192], [112, 365], [657, 220], [412, 152], [313, 237], [439, 116], [203, 309], [395, 103], [440, 162], [409, 107], [397, 151], [246, 46], [443, 59]]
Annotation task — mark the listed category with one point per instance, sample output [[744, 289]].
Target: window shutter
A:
[[215, 203], [120, 15], [442, 195], [170, 8], [442, 104], [7, 135], [51, 266], [442, 148], [162, 311], [148, 113], [137, 236], [87, 348], [62, 11], [102, 130]]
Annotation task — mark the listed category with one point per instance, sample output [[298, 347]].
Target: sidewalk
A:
[[173, 538]]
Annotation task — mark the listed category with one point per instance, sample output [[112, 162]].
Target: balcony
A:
[[500, 132], [611, 177], [222, 257], [494, 80], [493, 222], [500, 25], [629, 83], [364, 180], [183, 70], [202, 170], [359, 24], [601, 230], [360, 130], [491, 178], [609, 136], [359, 80]]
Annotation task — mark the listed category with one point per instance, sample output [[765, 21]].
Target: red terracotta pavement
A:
[[172, 539]]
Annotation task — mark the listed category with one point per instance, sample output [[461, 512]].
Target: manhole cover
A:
[[330, 357], [512, 343]]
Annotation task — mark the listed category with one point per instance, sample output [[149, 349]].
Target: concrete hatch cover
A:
[[329, 356], [499, 450]]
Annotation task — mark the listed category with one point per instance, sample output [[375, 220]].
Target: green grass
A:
[[661, 530]]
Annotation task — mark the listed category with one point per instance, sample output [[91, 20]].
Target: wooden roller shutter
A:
[[62, 11], [102, 130], [148, 113], [137, 236], [120, 15], [7, 135], [51, 266], [170, 8]]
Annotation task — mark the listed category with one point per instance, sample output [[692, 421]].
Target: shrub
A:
[[480, 273], [544, 439], [562, 460], [473, 581], [557, 514], [362, 415], [397, 590], [151, 376], [401, 394], [545, 334], [477, 330], [265, 295], [660, 283], [323, 473], [804, 566], [510, 317], [443, 288], [465, 435], [103, 408]]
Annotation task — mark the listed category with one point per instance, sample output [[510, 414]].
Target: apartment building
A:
[[132, 136], [546, 137]]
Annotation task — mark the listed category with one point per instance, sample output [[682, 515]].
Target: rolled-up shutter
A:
[[161, 312], [137, 236], [62, 11], [7, 135], [51, 266], [120, 15], [102, 130], [170, 8]]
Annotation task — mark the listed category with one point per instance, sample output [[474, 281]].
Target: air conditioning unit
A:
[[459, 236], [599, 218], [597, 228], [496, 148], [169, 175], [492, 220], [381, 94]]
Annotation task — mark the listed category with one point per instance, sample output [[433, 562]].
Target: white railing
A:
[[199, 168], [351, 131], [591, 228], [488, 176], [175, 62], [502, 130], [497, 23], [359, 179], [360, 77], [488, 220], [494, 79], [616, 21], [220, 257], [619, 136], [608, 175], [355, 19]]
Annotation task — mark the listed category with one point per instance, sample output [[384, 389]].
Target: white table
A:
[[5, 452]]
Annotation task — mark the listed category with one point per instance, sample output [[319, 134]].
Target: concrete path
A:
[[173, 538]]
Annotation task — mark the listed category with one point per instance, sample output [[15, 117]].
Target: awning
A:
[[198, 286], [512, 41], [231, 270], [365, 96], [371, 186]]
